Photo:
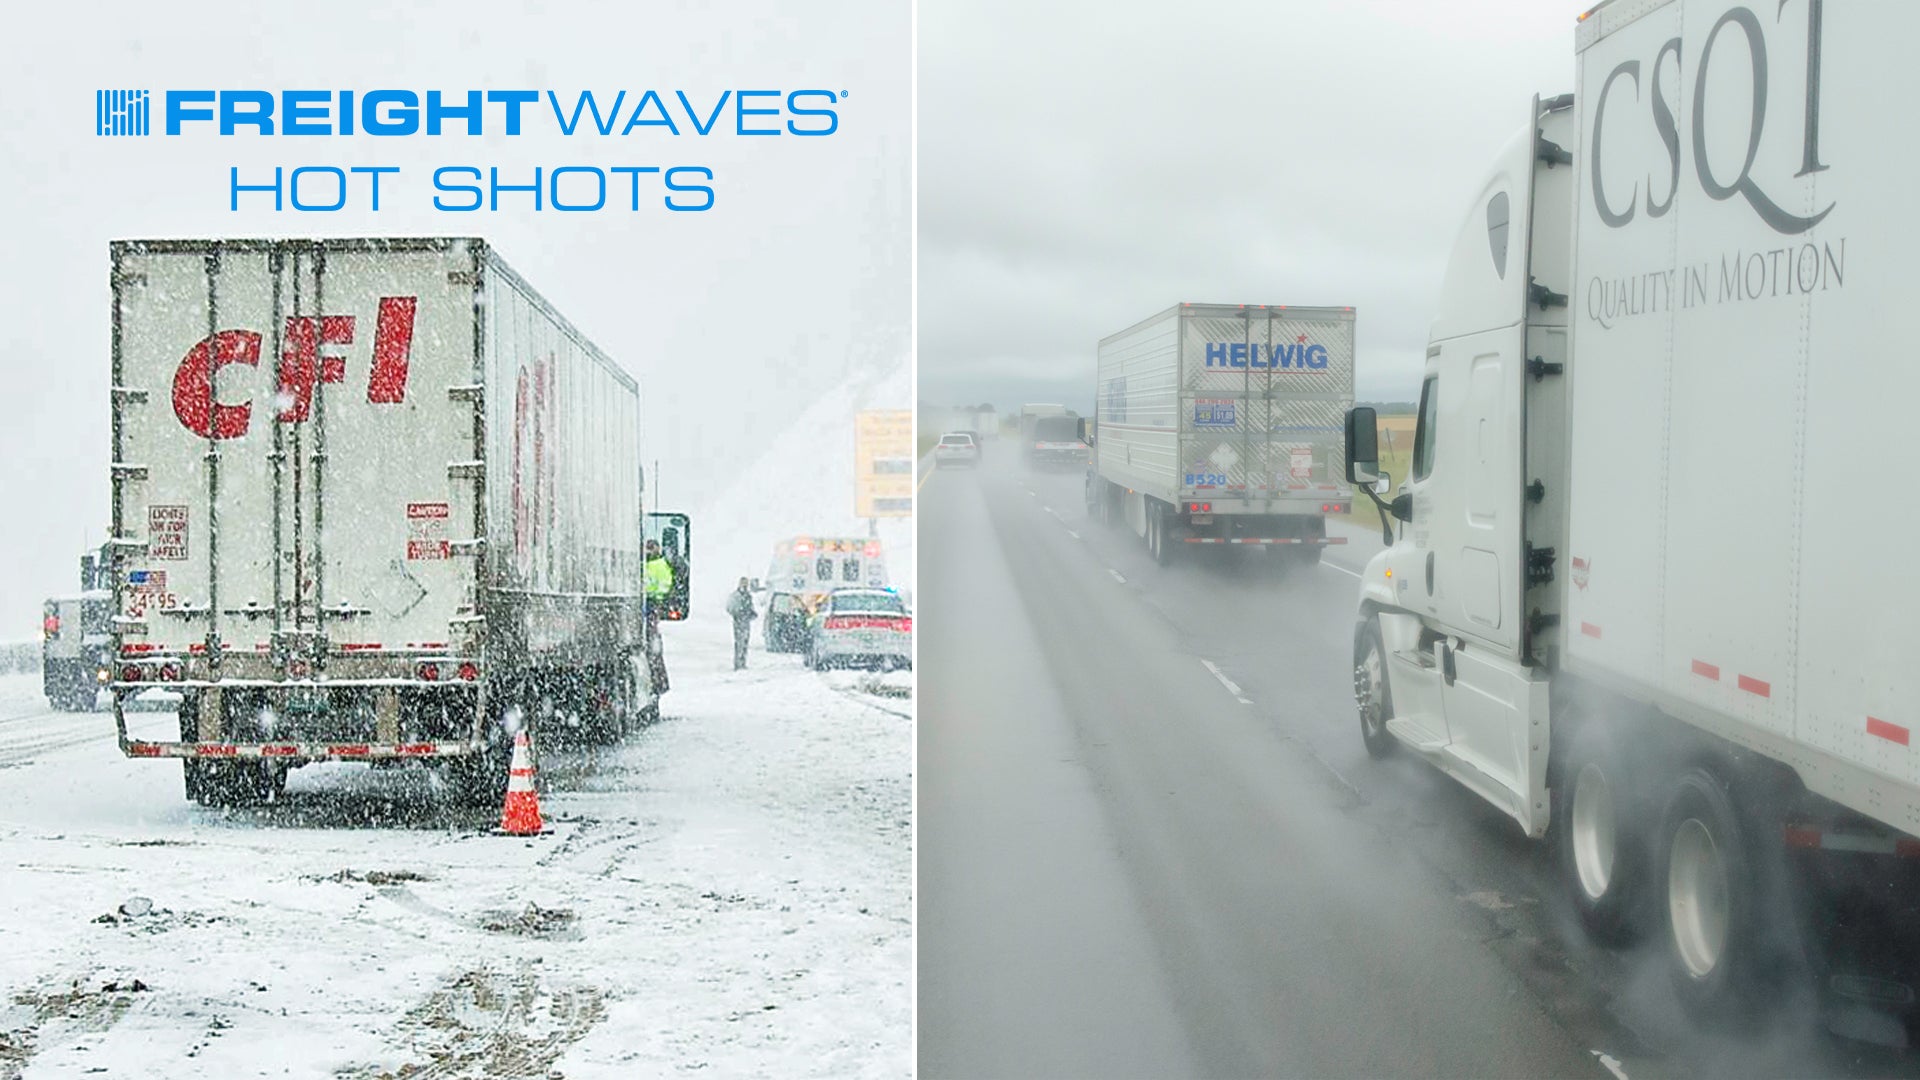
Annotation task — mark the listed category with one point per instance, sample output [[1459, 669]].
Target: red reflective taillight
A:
[[428, 672], [51, 625], [873, 549], [170, 673], [868, 622], [1200, 508], [130, 673], [469, 671]]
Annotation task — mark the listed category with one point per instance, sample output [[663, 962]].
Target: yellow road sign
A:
[[883, 463]]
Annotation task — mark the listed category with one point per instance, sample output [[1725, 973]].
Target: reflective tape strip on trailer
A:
[[302, 751], [1263, 540], [1813, 837]]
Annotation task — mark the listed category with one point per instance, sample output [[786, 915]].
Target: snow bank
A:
[[802, 485]]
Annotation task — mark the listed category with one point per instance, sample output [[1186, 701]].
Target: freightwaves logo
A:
[[1676, 107], [321, 188]]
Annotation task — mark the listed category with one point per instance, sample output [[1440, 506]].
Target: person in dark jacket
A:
[[740, 606]]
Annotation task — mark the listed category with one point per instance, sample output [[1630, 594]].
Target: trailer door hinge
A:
[[1539, 566], [1536, 491], [1545, 149], [1545, 297], [1540, 369]]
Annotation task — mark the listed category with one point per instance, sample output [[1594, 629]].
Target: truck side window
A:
[[1429, 419]]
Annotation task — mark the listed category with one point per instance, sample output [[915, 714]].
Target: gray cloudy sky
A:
[[733, 320], [1083, 166]]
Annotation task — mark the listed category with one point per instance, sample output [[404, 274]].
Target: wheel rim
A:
[[1697, 898], [1369, 684], [1593, 839]]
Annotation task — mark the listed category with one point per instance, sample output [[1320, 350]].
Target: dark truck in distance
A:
[[74, 645], [1053, 442]]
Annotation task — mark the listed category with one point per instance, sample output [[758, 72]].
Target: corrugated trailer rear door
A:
[[383, 490], [193, 443]]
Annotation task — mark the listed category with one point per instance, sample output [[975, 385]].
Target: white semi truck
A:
[[1220, 424], [1641, 597], [373, 500]]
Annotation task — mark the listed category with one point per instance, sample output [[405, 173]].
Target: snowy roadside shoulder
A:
[[727, 892]]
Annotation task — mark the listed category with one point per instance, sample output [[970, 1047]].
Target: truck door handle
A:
[[1429, 573]]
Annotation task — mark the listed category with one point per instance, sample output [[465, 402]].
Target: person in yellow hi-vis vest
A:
[[658, 576]]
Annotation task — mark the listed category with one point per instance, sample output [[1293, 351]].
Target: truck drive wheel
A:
[[1725, 942], [1370, 690], [1601, 836]]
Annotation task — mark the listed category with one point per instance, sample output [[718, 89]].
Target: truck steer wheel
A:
[[1371, 693]]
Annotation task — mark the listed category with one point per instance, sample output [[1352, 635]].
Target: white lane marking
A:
[[1116, 575], [1226, 682], [1342, 569], [1612, 1064], [1073, 534]]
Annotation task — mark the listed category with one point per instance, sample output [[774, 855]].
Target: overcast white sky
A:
[[734, 320], [1084, 166]]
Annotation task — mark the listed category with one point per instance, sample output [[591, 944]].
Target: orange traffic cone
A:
[[521, 815]]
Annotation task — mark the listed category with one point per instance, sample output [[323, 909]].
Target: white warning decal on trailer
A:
[[167, 533], [1300, 462], [427, 531]]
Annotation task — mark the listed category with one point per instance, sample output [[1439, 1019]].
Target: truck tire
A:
[[1309, 554], [1157, 533], [480, 780], [1722, 934], [1371, 694], [1601, 837]]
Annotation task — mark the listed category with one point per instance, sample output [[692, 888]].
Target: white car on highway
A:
[[956, 448], [866, 628]]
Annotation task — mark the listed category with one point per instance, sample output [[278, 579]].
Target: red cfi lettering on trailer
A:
[[313, 355], [193, 398]]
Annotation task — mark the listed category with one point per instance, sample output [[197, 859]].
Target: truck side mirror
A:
[[1363, 446], [1402, 506]]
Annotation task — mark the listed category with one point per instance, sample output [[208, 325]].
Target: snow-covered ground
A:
[[727, 893]]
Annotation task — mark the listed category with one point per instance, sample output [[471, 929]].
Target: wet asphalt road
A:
[[1151, 843]]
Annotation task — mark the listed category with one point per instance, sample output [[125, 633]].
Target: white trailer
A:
[[1220, 424], [1633, 601], [373, 500]]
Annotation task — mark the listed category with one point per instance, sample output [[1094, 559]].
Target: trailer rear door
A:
[[294, 424]]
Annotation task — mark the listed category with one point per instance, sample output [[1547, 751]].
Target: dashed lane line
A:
[[1342, 569], [1232, 687], [1116, 575]]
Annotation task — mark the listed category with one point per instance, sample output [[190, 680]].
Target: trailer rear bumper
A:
[[293, 752]]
